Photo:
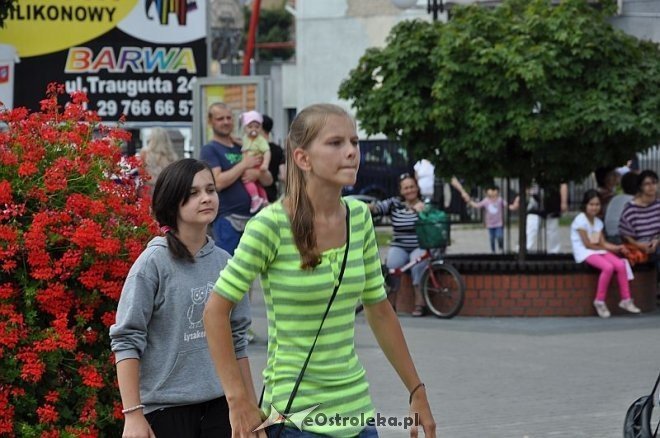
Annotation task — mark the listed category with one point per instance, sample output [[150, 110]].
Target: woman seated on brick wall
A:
[[640, 219], [616, 205]]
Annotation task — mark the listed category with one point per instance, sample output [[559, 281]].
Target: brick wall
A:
[[539, 294], [558, 294]]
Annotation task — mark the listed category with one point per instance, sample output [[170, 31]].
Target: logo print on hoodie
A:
[[199, 297]]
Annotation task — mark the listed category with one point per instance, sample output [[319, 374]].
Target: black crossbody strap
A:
[[653, 398], [327, 310], [657, 382]]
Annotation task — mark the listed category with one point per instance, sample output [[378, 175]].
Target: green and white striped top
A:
[[295, 302]]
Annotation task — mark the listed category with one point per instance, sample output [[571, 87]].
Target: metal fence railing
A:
[[647, 160], [383, 161], [509, 188]]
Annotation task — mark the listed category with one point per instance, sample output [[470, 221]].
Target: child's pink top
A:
[[493, 211]]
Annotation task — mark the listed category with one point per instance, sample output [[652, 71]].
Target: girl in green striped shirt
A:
[[298, 246]]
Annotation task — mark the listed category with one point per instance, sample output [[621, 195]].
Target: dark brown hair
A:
[[172, 190], [588, 196], [648, 173]]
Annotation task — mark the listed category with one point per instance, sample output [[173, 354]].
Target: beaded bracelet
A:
[[414, 391], [132, 409]]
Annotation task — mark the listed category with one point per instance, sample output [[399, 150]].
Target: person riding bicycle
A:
[[404, 246]]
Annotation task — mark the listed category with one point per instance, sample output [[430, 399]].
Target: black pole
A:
[[432, 6], [435, 6]]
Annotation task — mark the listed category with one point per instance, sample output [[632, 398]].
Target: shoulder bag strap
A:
[[657, 382], [650, 399], [327, 310], [653, 398]]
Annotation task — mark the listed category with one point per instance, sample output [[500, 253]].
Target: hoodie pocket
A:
[[191, 379]]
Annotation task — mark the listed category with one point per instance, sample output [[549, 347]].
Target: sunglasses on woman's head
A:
[[404, 176]]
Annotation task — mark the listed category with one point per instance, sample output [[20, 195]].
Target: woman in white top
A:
[[590, 246]]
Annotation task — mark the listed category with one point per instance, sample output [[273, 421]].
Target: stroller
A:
[[637, 423]]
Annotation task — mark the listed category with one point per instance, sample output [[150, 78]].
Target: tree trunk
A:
[[522, 221]]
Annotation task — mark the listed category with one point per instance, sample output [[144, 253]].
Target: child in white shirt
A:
[[590, 246]]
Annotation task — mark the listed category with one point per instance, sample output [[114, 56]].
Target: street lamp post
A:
[[432, 6]]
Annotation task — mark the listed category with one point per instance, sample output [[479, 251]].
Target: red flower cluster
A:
[[71, 224]]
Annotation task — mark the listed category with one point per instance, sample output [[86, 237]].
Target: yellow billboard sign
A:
[[38, 27]]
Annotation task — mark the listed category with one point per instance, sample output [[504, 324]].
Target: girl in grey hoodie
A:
[[167, 380]]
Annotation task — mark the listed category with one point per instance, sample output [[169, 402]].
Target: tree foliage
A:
[[527, 90]]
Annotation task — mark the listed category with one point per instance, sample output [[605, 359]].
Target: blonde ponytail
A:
[[304, 129]]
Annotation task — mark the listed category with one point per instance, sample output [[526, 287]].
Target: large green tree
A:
[[526, 90]]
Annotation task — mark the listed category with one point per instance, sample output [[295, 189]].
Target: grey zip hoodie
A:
[[159, 322]]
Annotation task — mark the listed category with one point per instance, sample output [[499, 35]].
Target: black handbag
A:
[[637, 423]]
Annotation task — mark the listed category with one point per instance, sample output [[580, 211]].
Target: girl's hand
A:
[[623, 249], [244, 418], [136, 426], [424, 417]]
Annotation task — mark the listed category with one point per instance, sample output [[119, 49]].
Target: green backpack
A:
[[433, 228]]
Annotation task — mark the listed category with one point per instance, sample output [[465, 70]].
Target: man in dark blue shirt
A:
[[230, 168], [276, 164]]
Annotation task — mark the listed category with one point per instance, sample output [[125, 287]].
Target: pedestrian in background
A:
[[157, 154], [616, 205], [230, 168], [317, 255], [276, 167], [404, 247], [607, 181], [553, 203], [256, 145], [590, 246], [166, 379], [425, 177], [640, 220], [494, 207]]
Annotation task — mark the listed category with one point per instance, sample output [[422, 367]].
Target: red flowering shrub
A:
[[71, 224]]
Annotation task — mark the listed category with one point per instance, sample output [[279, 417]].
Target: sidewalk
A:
[[473, 239], [509, 377]]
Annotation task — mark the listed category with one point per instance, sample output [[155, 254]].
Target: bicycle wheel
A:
[[443, 289]]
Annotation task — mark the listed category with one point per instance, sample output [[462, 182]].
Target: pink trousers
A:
[[608, 264]]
